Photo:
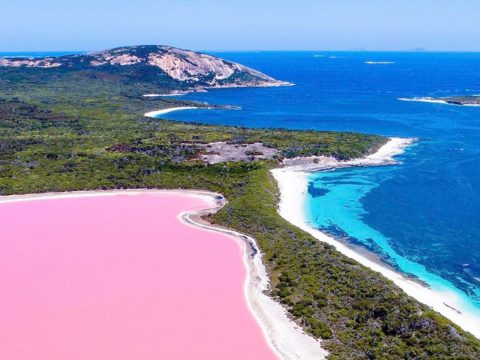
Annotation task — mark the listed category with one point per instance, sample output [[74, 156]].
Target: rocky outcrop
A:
[[186, 67], [470, 100], [463, 100], [39, 63]]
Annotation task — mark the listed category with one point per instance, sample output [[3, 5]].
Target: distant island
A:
[[77, 123], [472, 100]]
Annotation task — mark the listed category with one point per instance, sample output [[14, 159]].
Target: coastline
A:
[[164, 95], [286, 339], [293, 184], [266, 84], [156, 113], [383, 156], [272, 84]]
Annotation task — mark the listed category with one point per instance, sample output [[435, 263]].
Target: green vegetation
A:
[[73, 131], [462, 100]]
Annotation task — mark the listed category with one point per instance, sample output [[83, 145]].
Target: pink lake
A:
[[120, 277]]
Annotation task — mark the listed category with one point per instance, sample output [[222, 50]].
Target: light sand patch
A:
[[220, 152]]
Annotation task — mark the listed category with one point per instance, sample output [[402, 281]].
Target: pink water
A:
[[120, 277]]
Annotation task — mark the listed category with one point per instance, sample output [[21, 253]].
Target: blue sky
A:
[[36, 25]]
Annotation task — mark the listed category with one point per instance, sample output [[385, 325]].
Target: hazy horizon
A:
[[420, 51], [282, 25]]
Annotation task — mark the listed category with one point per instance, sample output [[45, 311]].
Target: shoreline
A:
[[274, 84], [156, 113], [164, 95], [293, 186], [202, 89], [286, 339], [383, 156]]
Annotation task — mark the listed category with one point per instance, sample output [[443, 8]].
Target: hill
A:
[[167, 66]]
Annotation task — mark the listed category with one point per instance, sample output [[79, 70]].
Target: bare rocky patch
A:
[[211, 153], [221, 152]]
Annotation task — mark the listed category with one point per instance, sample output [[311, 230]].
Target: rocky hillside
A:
[[152, 62]]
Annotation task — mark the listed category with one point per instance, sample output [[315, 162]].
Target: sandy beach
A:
[[425, 100], [282, 335], [293, 184], [166, 94], [383, 156], [156, 113]]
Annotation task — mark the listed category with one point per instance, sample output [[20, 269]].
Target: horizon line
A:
[[420, 50]]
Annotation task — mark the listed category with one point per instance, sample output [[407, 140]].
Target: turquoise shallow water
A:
[[335, 206]]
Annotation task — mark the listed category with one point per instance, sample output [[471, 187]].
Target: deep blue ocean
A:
[[421, 216]]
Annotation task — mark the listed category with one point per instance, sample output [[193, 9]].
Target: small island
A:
[[471, 100]]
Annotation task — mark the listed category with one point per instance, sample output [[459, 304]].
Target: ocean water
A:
[[421, 216]]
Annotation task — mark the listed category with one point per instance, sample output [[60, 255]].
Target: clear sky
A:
[[36, 25]]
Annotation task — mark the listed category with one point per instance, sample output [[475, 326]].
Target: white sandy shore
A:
[[384, 156], [425, 100], [284, 337], [156, 113], [163, 95], [267, 84], [293, 186]]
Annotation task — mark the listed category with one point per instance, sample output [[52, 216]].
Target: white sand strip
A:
[[384, 156], [156, 113], [293, 186], [425, 100], [162, 95], [284, 336]]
